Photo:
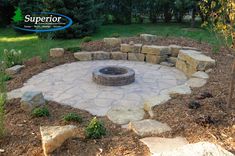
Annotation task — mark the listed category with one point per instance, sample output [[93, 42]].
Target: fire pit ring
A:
[[113, 76]]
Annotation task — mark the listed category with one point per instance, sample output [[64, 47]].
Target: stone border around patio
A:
[[191, 61]]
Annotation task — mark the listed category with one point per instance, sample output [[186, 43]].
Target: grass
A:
[[31, 45]]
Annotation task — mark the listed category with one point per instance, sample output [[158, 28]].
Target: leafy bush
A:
[[72, 117], [40, 112], [12, 57], [115, 35], [87, 39], [95, 129], [74, 49]]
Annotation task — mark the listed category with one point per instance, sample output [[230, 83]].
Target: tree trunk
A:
[[231, 87], [193, 18]]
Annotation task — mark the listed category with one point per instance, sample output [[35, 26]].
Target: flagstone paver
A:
[[71, 84]]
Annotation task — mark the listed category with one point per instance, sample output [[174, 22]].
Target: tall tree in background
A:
[[84, 14]]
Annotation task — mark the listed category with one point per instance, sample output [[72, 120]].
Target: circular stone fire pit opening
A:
[[113, 76]]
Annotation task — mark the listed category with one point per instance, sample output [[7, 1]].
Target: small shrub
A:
[[87, 39], [40, 112], [72, 117], [74, 49], [12, 57], [95, 129], [115, 35]]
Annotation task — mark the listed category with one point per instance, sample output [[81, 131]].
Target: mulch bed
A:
[[210, 122]]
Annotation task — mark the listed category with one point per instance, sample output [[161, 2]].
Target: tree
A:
[[18, 17], [222, 13], [83, 13]]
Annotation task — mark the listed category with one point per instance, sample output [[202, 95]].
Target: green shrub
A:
[[72, 117], [87, 39], [74, 49], [115, 35], [12, 57], [40, 112], [95, 129]]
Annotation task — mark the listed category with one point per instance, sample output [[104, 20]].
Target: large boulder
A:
[[148, 127], [31, 100], [14, 70], [112, 42], [191, 61], [54, 136]]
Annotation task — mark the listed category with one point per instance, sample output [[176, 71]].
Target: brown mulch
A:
[[23, 135], [210, 122]]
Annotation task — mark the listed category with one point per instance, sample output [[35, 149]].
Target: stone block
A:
[[129, 48], [155, 50], [191, 61], [136, 57], [175, 50], [83, 56], [57, 52], [148, 37], [14, 70], [31, 100], [155, 59], [101, 55], [112, 42], [118, 56]]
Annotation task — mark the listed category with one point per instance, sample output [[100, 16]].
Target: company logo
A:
[[41, 21]]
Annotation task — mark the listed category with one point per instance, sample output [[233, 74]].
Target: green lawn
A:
[[31, 45]]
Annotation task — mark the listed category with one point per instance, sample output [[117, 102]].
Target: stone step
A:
[[148, 127], [158, 145]]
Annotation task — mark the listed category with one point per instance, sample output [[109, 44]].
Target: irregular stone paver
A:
[[148, 127], [54, 136], [71, 84], [157, 100], [158, 145], [196, 82], [183, 89], [197, 149], [201, 75], [124, 115]]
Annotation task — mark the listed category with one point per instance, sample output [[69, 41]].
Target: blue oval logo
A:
[[38, 22]]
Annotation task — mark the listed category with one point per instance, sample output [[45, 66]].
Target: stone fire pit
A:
[[113, 76]]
